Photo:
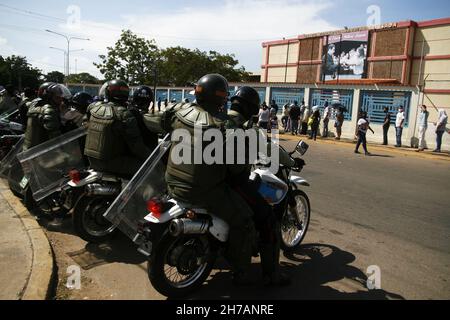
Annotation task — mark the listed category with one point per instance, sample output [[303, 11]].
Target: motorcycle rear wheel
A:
[[179, 253], [88, 220]]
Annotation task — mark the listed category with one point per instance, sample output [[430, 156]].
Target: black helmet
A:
[[251, 100], [42, 91], [81, 100], [142, 97], [117, 90], [211, 91]]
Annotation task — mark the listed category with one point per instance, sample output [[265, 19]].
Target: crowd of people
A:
[[301, 120], [306, 120]]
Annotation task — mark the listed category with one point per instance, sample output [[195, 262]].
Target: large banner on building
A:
[[345, 55]]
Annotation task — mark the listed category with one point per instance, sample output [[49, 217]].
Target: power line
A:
[[42, 16]]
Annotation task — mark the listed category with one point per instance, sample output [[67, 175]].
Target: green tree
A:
[[17, 71], [83, 77], [132, 58], [55, 76]]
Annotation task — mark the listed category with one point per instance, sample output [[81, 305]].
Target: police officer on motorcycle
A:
[[114, 143], [73, 117], [244, 105], [44, 121], [142, 97], [28, 96], [205, 185]]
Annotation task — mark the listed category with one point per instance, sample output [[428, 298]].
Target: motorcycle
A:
[[97, 191], [182, 241], [45, 176], [10, 131]]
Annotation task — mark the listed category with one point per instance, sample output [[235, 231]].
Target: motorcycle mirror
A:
[[302, 147]]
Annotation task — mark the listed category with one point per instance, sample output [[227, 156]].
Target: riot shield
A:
[[131, 205], [49, 163], [8, 161]]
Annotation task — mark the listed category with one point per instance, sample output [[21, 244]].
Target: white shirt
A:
[[264, 115], [362, 124], [326, 112], [399, 119]]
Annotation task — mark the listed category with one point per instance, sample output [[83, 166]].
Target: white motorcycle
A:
[[181, 240]]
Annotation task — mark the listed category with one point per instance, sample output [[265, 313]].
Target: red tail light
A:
[[74, 175], [155, 207]]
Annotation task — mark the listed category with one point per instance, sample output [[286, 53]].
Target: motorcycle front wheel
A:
[[295, 221], [88, 220], [179, 265]]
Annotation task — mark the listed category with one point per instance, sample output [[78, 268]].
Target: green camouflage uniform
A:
[[43, 123], [205, 185], [114, 143], [265, 220]]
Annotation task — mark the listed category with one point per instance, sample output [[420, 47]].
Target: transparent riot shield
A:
[[48, 164], [11, 157], [131, 205]]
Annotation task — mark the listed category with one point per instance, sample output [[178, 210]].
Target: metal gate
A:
[[344, 97], [284, 96], [374, 102], [176, 95]]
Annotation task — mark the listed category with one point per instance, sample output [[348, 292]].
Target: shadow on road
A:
[[313, 268], [119, 249]]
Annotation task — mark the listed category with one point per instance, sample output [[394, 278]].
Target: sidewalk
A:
[[407, 151], [26, 259]]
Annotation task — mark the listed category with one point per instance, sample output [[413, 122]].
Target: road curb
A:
[[40, 280], [348, 143]]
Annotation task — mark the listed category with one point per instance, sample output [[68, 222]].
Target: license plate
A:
[[24, 182]]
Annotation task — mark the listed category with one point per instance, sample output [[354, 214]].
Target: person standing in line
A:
[[386, 125], [305, 119], [326, 119], [264, 117], [339, 122], [363, 126], [440, 128], [274, 105], [285, 118], [294, 115], [315, 123], [399, 122], [159, 104], [423, 125]]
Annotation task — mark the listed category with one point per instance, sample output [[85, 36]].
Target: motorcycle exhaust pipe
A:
[[97, 189], [187, 226]]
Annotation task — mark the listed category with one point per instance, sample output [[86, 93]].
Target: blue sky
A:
[[227, 26]]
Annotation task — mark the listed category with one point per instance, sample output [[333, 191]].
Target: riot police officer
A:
[[73, 117], [142, 97], [206, 184], [44, 121], [245, 105], [114, 143]]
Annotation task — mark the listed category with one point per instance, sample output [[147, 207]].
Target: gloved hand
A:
[[299, 163]]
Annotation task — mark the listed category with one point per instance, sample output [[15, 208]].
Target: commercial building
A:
[[368, 68]]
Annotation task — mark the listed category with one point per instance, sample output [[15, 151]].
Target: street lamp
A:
[[65, 54], [68, 39]]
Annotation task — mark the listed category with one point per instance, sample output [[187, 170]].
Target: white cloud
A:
[[5, 48], [230, 26], [235, 26]]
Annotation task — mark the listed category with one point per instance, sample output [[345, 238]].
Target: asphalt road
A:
[[389, 211]]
